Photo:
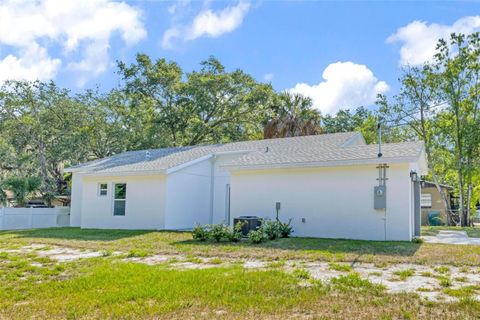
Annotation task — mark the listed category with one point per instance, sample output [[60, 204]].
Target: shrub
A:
[[219, 232], [256, 236], [285, 229], [271, 229], [235, 233], [200, 233]]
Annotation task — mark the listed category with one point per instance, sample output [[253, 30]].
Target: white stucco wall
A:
[[76, 202], [188, 196], [145, 203], [335, 202], [221, 181]]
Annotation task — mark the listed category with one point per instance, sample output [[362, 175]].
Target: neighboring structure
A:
[[431, 200], [324, 183]]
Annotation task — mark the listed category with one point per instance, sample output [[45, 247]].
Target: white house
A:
[[326, 184]]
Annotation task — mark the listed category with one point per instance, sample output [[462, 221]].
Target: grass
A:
[[114, 289], [340, 267], [404, 274], [164, 242], [109, 287], [473, 232], [463, 292]]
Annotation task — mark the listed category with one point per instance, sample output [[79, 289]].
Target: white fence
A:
[[29, 218]]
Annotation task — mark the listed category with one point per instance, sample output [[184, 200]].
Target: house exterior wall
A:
[[188, 196], [145, 203], [437, 203], [334, 202], [76, 203], [221, 183]]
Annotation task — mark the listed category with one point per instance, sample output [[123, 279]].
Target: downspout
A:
[[212, 188]]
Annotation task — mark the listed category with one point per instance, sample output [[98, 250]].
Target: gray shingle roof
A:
[[325, 147], [392, 152]]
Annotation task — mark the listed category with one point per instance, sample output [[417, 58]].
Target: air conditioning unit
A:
[[249, 223]]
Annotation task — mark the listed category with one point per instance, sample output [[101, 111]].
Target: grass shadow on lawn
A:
[[71, 233], [334, 246]]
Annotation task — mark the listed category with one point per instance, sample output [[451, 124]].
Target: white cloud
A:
[[34, 63], [81, 28], [207, 23], [419, 39], [345, 85]]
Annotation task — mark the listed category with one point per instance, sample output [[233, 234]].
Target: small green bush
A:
[[271, 229], [200, 233], [235, 233], [219, 232], [285, 229], [256, 236]]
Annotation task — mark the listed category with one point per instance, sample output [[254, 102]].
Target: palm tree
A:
[[293, 116], [22, 188]]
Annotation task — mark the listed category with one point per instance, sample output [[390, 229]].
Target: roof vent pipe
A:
[[379, 127], [147, 155], [266, 149]]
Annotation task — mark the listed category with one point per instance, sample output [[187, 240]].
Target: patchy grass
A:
[[442, 269], [340, 267], [109, 287], [404, 274], [473, 232], [444, 281], [353, 281], [167, 242], [301, 274], [103, 288], [463, 292]]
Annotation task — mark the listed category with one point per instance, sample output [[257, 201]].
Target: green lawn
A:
[[109, 287], [473, 232]]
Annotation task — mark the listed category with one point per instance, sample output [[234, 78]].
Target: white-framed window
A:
[[119, 198], [426, 200], [102, 189]]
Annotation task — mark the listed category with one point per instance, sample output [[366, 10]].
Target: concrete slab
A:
[[452, 237]]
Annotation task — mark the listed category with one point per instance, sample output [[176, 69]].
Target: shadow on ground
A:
[[334, 246], [70, 233]]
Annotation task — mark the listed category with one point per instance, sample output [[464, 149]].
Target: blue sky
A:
[[340, 53]]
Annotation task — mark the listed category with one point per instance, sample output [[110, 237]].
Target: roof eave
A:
[[122, 173], [335, 163]]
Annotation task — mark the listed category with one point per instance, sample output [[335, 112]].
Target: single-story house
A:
[[329, 185]]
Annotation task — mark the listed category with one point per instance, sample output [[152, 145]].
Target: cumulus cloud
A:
[[207, 23], [81, 28], [345, 85], [33, 64], [419, 39]]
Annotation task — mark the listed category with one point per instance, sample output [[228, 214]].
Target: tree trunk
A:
[[461, 204], [469, 198], [44, 171]]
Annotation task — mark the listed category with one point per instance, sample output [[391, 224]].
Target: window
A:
[[102, 189], [119, 199], [426, 200]]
